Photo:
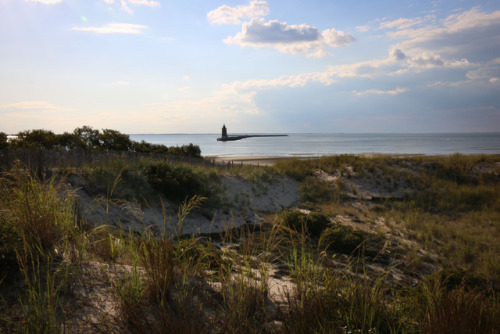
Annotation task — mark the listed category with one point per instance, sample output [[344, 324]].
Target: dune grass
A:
[[223, 284]]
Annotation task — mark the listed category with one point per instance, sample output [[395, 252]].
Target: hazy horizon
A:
[[165, 67]]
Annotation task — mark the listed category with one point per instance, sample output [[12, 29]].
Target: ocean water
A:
[[316, 144]]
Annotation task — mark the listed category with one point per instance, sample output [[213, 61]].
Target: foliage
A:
[[112, 140], [316, 191], [10, 242], [440, 308], [3, 141], [37, 210], [88, 138], [342, 239], [313, 223], [193, 285], [34, 138], [145, 147], [176, 182]]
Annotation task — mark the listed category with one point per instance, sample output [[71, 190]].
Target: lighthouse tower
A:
[[224, 131]]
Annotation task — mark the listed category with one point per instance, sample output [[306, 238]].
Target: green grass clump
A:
[[38, 212], [175, 182], [10, 243], [40, 247], [439, 307], [313, 223], [342, 239]]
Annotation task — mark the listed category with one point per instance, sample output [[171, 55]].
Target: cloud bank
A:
[[234, 15], [124, 4], [114, 28], [45, 2], [284, 37]]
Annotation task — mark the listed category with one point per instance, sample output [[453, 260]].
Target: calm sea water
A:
[[327, 144]]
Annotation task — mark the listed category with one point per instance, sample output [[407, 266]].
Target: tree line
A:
[[87, 138]]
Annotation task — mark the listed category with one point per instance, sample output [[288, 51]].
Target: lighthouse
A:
[[224, 131]]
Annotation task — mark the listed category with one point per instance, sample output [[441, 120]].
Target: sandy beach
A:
[[248, 160], [270, 160]]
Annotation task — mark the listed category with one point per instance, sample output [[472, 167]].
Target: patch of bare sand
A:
[[241, 201]]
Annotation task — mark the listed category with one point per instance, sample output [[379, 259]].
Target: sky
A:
[[190, 66]]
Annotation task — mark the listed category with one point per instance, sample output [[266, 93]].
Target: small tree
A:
[[113, 140], [192, 150], [68, 140], [88, 138], [35, 138]]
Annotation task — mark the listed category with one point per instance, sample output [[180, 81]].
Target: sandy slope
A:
[[241, 201]]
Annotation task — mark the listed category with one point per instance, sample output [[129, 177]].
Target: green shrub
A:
[[145, 147], [10, 243], [112, 140], [40, 211], [317, 191], [313, 223], [456, 278], [3, 140], [176, 182], [342, 239], [35, 138]]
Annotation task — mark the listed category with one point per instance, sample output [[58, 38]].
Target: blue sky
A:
[[154, 66]]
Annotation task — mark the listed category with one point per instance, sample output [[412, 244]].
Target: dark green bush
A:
[[112, 140], [3, 140], [35, 138], [313, 223], [87, 137], [342, 239], [456, 278], [145, 147], [10, 242], [176, 182], [189, 150]]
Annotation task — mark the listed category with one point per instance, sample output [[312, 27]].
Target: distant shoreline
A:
[[270, 160]]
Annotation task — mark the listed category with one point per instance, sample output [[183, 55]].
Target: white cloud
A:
[[489, 71], [31, 105], [114, 28], [46, 2], [364, 28], [381, 92], [428, 60], [471, 33], [148, 3], [124, 4], [336, 38], [233, 15], [401, 23], [471, 19], [288, 38]]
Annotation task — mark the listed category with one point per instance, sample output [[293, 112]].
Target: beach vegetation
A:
[[313, 223], [415, 249], [88, 139], [342, 239], [3, 140]]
